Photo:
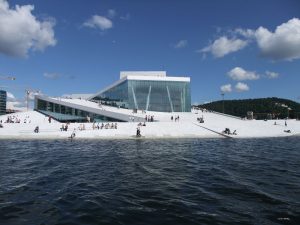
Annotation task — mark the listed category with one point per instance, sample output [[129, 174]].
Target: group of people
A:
[[16, 119], [175, 118], [227, 131], [149, 118], [285, 123], [64, 127], [105, 126]]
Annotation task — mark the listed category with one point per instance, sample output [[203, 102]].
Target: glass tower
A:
[[152, 95], [2, 102]]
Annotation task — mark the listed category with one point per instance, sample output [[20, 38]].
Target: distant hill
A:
[[261, 107]]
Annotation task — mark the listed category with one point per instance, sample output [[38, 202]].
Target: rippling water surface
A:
[[249, 181]]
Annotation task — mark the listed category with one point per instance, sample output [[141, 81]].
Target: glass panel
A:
[[41, 105], [116, 96], [57, 108], [68, 111], [50, 107], [163, 96], [2, 102], [65, 113]]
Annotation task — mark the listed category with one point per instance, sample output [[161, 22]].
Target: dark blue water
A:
[[250, 181]]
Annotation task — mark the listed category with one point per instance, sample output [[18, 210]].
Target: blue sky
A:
[[246, 49]]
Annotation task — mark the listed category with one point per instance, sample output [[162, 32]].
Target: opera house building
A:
[[135, 91]]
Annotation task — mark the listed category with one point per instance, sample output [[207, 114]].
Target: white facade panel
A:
[[143, 73], [153, 78]]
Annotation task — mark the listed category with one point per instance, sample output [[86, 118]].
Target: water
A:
[[250, 181]]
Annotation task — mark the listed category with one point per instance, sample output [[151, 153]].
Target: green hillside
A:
[[262, 108]]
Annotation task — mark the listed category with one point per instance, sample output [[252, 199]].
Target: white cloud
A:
[[16, 105], [111, 13], [226, 88], [272, 75], [10, 96], [100, 22], [21, 32], [283, 43], [247, 33], [52, 76], [13, 103], [223, 46], [181, 44], [240, 87], [240, 74]]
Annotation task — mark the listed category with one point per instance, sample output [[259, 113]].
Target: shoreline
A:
[[164, 128], [132, 137]]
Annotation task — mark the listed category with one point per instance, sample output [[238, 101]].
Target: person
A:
[[171, 118], [275, 123], [226, 131], [138, 132], [285, 123], [73, 134], [36, 129], [201, 119], [1, 126]]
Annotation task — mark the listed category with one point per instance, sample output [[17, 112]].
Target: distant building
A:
[[3, 97], [135, 90]]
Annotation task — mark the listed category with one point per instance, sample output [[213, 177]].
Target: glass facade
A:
[[64, 113], [2, 102], [162, 96]]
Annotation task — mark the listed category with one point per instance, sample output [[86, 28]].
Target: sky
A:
[[244, 49]]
